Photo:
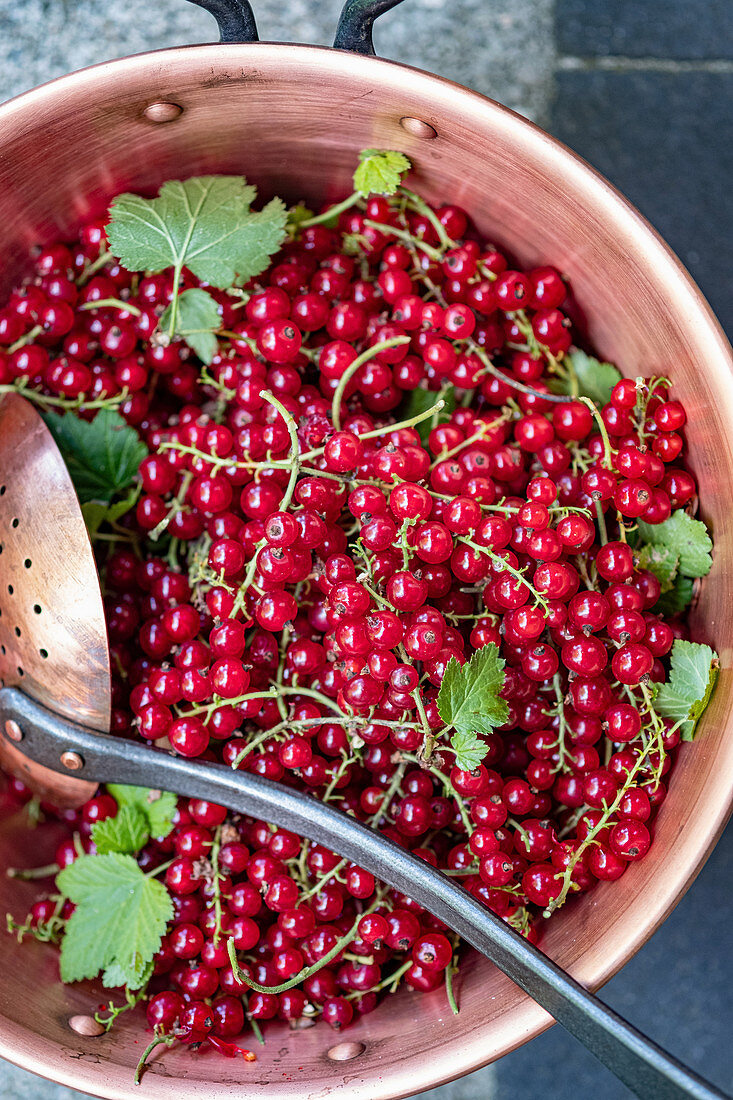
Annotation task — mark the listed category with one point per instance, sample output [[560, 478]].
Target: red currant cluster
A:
[[323, 558]]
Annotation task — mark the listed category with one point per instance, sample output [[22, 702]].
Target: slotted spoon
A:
[[54, 712]]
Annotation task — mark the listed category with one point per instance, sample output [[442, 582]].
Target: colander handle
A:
[[645, 1068], [354, 32]]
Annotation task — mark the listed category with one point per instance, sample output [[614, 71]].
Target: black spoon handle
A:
[[645, 1068]]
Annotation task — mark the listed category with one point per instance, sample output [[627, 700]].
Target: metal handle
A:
[[645, 1068], [354, 32], [235, 19]]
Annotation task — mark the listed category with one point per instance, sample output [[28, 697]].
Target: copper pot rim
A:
[[614, 201], [612, 207]]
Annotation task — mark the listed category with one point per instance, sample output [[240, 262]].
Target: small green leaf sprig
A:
[[121, 913], [204, 224]]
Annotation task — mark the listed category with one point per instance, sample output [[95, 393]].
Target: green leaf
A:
[[420, 400], [662, 561], [587, 377], [96, 513], [115, 977], [380, 171], [469, 698], [677, 599], [127, 832], [297, 215], [120, 918], [157, 806], [687, 692], [684, 536], [102, 455], [197, 319], [469, 749], [203, 223]]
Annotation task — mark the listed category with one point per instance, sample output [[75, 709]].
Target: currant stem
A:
[[294, 446], [421, 207], [403, 235], [332, 212], [392, 790], [27, 339], [214, 859], [558, 398], [601, 520], [449, 970], [351, 370], [244, 978], [31, 873], [112, 303], [159, 1040], [607, 449], [91, 269]]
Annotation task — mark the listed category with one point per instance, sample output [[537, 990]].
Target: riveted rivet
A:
[[417, 127], [72, 761], [13, 730], [344, 1052], [163, 112], [86, 1025]]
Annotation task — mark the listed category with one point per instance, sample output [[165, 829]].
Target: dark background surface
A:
[[643, 89]]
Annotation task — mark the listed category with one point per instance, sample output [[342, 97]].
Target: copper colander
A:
[[292, 119]]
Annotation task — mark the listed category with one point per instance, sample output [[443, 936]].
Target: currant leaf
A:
[[128, 832], [158, 807], [587, 377], [120, 918], [197, 319], [96, 512], [677, 598], [115, 977], [203, 223], [684, 536], [662, 561], [687, 692], [101, 455], [469, 749], [380, 171], [469, 699]]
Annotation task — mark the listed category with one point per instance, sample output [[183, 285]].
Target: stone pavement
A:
[[644, 90]]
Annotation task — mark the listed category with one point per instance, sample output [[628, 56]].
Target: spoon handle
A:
[[646, 1069]]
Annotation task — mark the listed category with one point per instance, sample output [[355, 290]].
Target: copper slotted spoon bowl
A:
[[55, 665], [293, 118]]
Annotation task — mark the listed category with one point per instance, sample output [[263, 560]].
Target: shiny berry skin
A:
[[631, 663], [165, 1009], [433, 951], [630, 839], [615, 561], [279, 341]]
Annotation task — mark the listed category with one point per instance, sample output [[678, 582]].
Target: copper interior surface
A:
[[292, 120]]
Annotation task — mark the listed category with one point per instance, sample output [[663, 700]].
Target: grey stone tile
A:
[[503, 49], [654, 28], [666, 140]]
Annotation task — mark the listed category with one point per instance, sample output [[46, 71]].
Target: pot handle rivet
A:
[[72, 761], [344, 1052], [163, 112], [13, 730], [417, 127]]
